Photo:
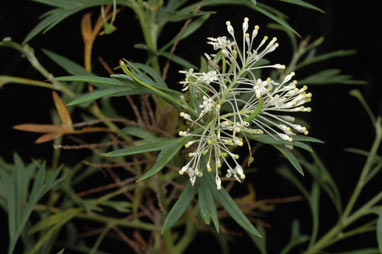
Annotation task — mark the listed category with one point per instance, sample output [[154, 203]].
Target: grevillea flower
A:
[[233, 102]]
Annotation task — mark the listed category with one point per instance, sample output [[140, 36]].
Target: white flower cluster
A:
[[235, 103]]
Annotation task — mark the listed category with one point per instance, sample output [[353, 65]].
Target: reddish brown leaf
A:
[[62, 110], [40, 128], [48, 137]]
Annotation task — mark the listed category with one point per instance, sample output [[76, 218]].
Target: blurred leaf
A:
[[180, 207], [295, 238], [19, 198], [61, 251], [303, 4], [58, 218], [120, 206], [326, 56], [291, 158], [361, 251], [24, 81], [190, 29], [359, 96], [230, 206], [379, 232], [137, 132], [260, 242], [330, 76]]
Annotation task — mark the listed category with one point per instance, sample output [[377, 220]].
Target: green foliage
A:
[[18, 200], [149, 195]]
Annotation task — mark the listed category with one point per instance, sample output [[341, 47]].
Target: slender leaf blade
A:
[[180, 207]]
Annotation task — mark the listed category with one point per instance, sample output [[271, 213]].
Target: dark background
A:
[[337, 118]]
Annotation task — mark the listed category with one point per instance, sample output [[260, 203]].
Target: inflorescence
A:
[[234, 103]]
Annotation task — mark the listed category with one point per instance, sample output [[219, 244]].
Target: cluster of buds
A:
[[233, 103]]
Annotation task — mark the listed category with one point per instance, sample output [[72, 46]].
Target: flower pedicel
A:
[[235, 103]]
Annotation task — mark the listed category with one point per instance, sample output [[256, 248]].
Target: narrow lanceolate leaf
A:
[[180, 207], [291, 158], [303, 4], [54, 219], [62, 110], [68, 65], [379, 232], [19, 198], [267, 139], [165, 156], [130, 150], [111, 82], [90, 97], [230, 206], [179, 60], [206, 203], [137, 132]]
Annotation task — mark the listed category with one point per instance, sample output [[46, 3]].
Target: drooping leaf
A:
[[206, 203], [179, 207], [230, 206], [303, 4], [290, 157]]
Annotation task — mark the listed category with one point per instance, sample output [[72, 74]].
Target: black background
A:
[[337, 118]]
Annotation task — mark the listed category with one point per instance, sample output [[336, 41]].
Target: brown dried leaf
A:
[[48, 137], [40, 128], [62, 110]]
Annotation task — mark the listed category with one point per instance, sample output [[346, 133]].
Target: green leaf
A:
[[179, 60], [137, 132], [303, 4], [206, 204], [98, 80], [130, 150], [326, 56], [57, 218], [165, 157], [361, 251], [330, 76], [230, 206], [90, 97], [291, 158], [267, 139], [64, 9], [19, 198], [379, 232], [190, 29], [61, 251], [180, 207], [68, 65]]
